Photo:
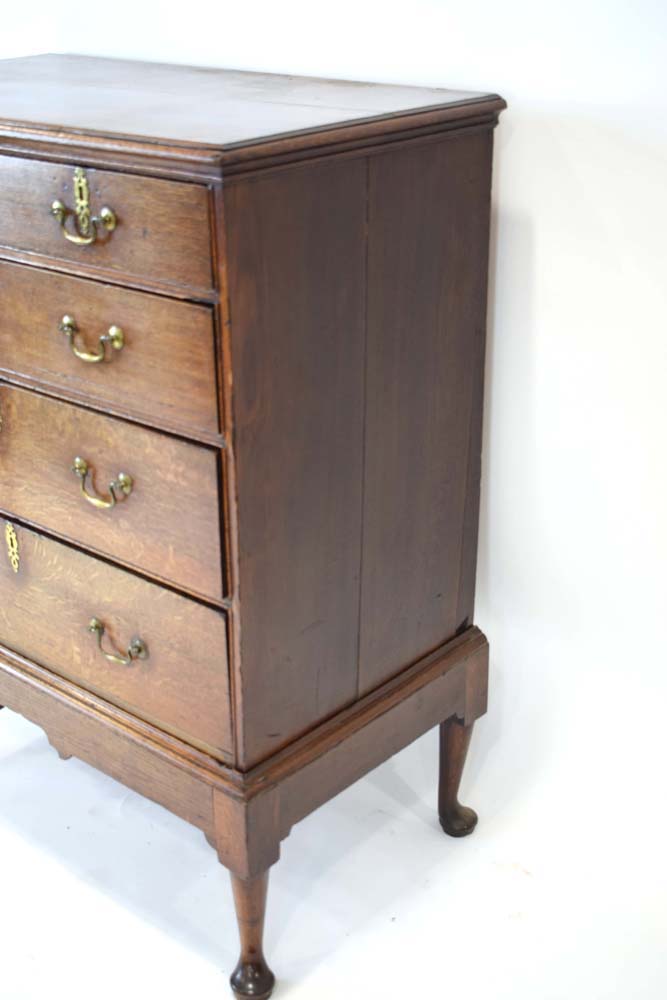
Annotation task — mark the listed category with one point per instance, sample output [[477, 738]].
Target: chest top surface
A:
[[219, 108]]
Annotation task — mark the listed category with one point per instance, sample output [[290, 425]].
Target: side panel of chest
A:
[[297, 258], [358, 308], [427, 271]]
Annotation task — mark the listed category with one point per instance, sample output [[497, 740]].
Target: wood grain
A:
[[246, 816], [307, 261], [169, 526], [316, 768], [182, 686], [300, 269], [296, 246], [205, 106], [428, 240], [150, 765], [163, 228], [164, 373]]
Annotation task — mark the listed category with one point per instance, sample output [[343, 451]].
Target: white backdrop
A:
[[561, 893]]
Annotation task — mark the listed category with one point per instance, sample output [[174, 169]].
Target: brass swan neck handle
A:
[[114, 337], [137, 650], [122, 484]]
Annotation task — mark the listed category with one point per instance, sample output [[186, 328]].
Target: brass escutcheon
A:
[[12, 546], [84, 224]]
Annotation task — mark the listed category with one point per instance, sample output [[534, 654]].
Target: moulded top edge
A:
[[214, 113]]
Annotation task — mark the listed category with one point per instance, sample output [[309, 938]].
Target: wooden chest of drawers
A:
[[241, 379]]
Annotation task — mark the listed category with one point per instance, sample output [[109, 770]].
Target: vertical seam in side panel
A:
[[364, 419]]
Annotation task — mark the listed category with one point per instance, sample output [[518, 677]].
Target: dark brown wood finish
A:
[[182, 685], [114, 742], [451, 681], [252, 976], [164, 374], [296, 245], [423, 357], [168, 526], [455, 819], [468, 570], [246, 816], [428, 239], [198, 106], [162, 232], [300, 271]]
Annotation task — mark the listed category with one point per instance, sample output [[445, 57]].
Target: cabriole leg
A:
[[252, 976], [455, 819]]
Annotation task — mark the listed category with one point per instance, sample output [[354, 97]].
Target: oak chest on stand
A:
[[241, 376]]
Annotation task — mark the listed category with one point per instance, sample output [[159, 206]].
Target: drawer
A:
[[165, 368], [180, 682], [168, 525], [162, 230]]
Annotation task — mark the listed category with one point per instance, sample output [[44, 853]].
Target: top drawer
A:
[[161, 233]]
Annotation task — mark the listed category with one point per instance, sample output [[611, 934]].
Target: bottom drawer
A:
[[176, 678]]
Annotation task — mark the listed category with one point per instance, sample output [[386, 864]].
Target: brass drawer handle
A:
[[122, 484], [84, 225], [137, 650], [114, 337]]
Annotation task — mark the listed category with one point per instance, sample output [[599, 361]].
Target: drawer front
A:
[[162, 230], [164, 368], [49, 595], [168, 525]]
